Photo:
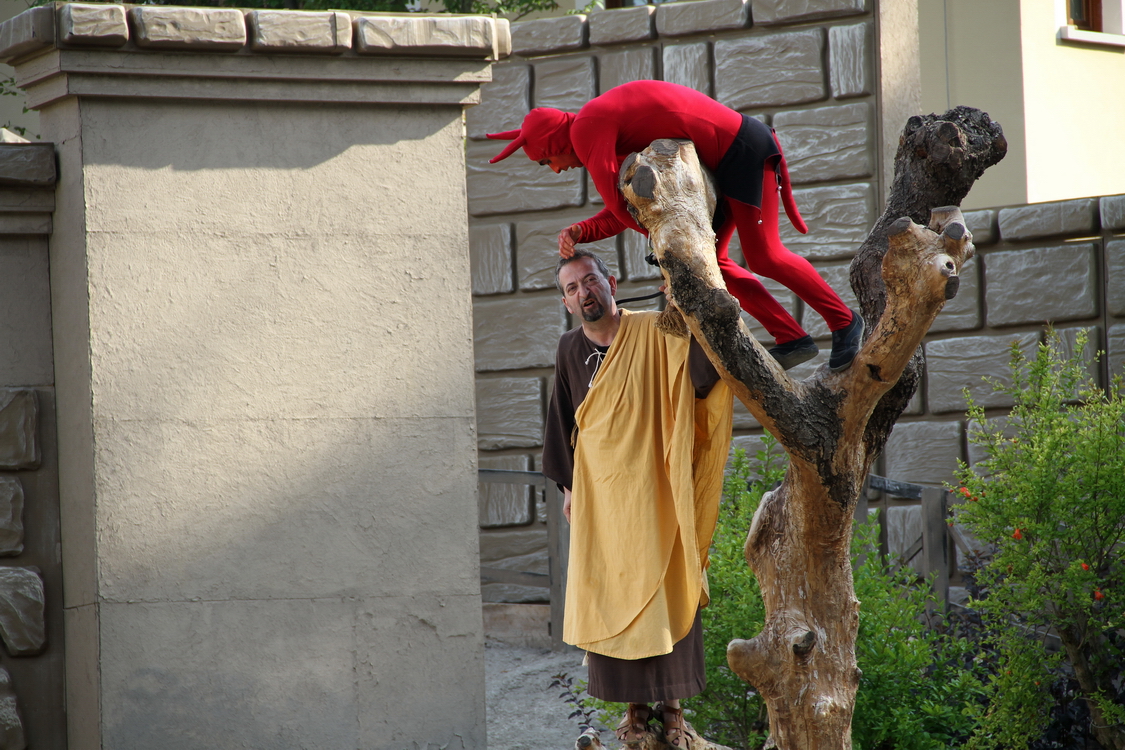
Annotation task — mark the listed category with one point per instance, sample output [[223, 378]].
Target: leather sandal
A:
[[676, 732], [634, 724]]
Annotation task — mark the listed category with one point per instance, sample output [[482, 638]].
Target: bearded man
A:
[[638, 432]]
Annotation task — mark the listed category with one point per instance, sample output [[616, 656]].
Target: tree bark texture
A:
[[832, 425]]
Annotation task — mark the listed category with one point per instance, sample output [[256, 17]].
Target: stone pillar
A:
[[262, 334]]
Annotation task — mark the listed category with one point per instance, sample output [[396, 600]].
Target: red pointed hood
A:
[[545, 132]]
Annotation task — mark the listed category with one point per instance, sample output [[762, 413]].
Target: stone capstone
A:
[[22, 627], [693, 16], [923, 452], [1049, 219], [509, 413], [299, 31], [847, 60], [1062, 278], [953, 365], [689, 65], [99, 25], [27, 164], [619, 25], [545, 35], [770, 70], [426, 35], [616, 68], [19, 434], [565, 83], [828, 143], [1112, 210], [505, 504], [1115, 277], [156, 27], [537, 253], [767, 12], [510, 334], [11, 516], [838, 218], [11, 728], [30, 31], [517, 184], [503, 103], [490, 258]]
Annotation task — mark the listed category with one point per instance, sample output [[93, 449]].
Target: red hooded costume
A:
[[741, 152]]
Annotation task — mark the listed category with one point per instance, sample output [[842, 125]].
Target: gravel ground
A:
[[523, 713]]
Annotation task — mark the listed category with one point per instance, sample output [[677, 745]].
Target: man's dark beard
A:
[[593, 314]]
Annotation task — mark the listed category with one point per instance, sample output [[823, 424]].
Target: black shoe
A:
[[792, 353], [845, 344]]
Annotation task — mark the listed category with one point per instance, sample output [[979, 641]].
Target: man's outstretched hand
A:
[[567, 239]]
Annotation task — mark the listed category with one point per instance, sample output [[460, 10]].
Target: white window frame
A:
[[1113, 25]]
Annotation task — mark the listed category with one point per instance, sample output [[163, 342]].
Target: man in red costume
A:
[[744, 156]]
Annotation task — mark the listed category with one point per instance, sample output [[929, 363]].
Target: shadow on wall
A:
[[186, 126]]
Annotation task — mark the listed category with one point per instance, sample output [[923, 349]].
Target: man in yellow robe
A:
[[638, 432]]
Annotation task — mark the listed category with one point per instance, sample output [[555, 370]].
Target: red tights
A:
[[766, 256]]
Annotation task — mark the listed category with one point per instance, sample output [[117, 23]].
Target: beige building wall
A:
[[1060, 102]]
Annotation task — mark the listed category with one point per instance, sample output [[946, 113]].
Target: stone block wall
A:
[[31, 620], [805, 68]]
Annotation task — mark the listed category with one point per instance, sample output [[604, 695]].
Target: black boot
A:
[[845, 344], [792, 353]]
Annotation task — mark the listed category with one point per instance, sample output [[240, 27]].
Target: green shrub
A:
[[1049, 501]]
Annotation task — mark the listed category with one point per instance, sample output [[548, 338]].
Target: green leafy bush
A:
[[1049, 501], [918, 683]]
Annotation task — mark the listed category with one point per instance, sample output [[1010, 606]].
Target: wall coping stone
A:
[[233, 30], [693, 16], [1048, 219], [544, 35], [290, 31], [93, 25], [1112, 209], [769, 12], [27, 164], [618, 25]]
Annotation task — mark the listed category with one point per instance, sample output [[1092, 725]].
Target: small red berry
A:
[[1085, 566], [973, 499], [965, 491], [1017, 535], [1098, 595]]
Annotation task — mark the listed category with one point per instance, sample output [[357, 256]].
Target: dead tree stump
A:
[[832, 425]]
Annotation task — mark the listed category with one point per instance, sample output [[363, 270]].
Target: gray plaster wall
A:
[[259, 339], [282, 426], [806, 69]]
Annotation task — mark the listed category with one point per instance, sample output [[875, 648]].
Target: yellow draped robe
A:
[[648, 476]]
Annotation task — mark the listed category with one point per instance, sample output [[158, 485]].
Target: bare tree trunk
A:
[[832, 425]]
